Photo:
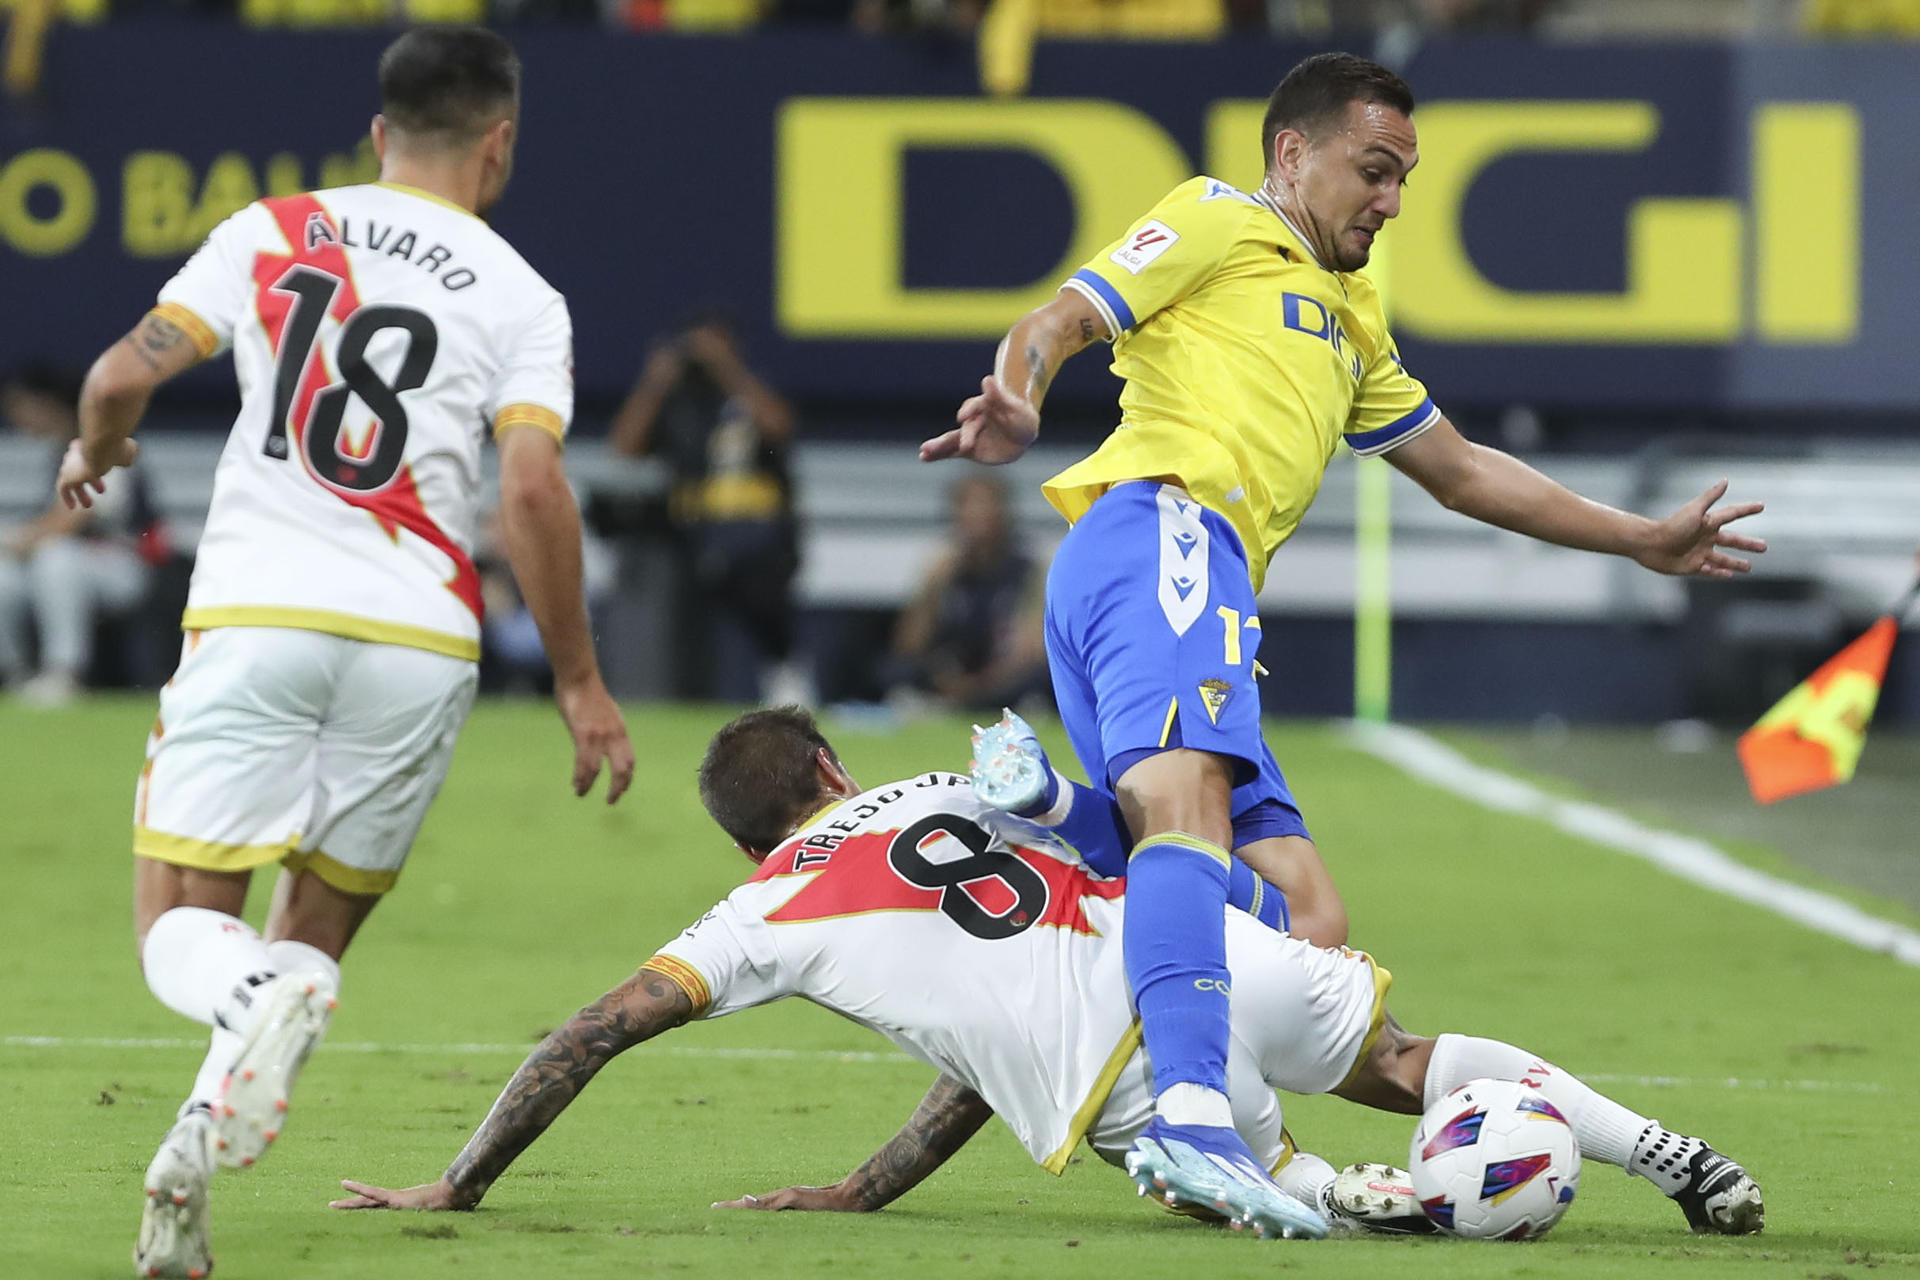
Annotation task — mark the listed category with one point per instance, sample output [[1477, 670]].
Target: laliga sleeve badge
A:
[[1152, 239]]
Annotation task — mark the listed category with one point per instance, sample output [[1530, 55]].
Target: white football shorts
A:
[[1304, 1020], [281, 745]]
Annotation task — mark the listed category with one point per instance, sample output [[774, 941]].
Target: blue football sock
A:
[[1093, 829], [1247, 892], [1176, 957]]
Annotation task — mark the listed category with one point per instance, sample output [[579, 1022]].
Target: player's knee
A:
[[1179, 790]]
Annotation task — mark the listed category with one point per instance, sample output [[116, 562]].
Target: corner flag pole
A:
[[1373, 554]]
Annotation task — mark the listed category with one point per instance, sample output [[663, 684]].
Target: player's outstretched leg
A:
[[174, 1229], [1714, 1193], [290, 1016]]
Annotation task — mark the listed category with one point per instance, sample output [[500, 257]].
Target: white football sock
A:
[[1194, 1104], [1061, 807], [1605, 1130], [206, 964], [1308, 1179], [289, 956], [221, 1053]]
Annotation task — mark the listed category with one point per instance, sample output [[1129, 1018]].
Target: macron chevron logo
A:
[[1183, 587], [1186, 542]]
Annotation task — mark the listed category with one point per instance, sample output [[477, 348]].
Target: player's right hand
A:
[[599, 736], [996, 426], [81, 477], [817, 1199], [428, 1196]]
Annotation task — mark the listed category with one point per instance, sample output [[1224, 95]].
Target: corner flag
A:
[[1812, 738]]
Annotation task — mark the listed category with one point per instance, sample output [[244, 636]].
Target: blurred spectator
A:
[[971, 638], [726, 435], [512, 658], [63, 569]]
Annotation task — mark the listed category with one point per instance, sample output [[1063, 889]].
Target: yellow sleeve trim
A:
[[1382, 979], [1097, 1096], [338, 875], [334, 624], [198, 331], [684, 976], [531, 415], [208, 855]]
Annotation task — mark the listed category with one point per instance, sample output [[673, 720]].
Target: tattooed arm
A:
[[946, 1118], [998, 424], [554, 1073], [113, 399]]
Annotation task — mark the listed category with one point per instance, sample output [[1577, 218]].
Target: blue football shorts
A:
[[1151, 632]]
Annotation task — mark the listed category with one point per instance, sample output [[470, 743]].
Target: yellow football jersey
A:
[[1246, 363]]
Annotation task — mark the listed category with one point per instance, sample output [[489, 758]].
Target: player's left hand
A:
[[81, 477], [429, 1196], [818, 1199], [996, 426], [1695, 538]]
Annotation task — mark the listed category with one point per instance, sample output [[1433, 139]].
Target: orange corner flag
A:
[[1813, 737]]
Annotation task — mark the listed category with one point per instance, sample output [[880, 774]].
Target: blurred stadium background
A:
[[1651, 243]]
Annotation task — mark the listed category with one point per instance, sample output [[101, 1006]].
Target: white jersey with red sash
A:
[[970, 939], [378, 332]]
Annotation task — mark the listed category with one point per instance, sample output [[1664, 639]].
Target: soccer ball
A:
[[1493, 1160]]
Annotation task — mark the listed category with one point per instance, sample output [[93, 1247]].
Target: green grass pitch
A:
[[1790, 1051]]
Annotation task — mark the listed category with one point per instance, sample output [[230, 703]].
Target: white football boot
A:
[[174, 1231], [293, 1010], [1375, 1197]]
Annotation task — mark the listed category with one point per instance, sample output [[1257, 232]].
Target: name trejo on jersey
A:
[[376, 238]]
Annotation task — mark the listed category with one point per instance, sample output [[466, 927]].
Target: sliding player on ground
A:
[[985, 948], [1252, 346], [333, 623]]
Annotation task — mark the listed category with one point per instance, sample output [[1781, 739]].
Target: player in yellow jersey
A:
[[1251, 347]]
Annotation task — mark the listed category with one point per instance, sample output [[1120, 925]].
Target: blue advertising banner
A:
[[1691, 226]]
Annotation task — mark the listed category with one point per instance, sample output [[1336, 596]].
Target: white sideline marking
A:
[[363, 1046], [1684, 856], [865, 1055]]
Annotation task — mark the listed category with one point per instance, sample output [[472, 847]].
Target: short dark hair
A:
[[1316, 93], [758, 778], [449, 82]]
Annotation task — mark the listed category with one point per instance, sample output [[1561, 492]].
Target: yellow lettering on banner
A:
[[156, 204], [229, 188], [284, 175], [840, 203], [67, 178], [1233, 142], [346, 169], [1683, 255], [1806, 221]]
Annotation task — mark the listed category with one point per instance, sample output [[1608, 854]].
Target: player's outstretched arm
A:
[[998, 424], [541, 524], [552, 1076], [946, 1118], [114, 398], [1501, 490]]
